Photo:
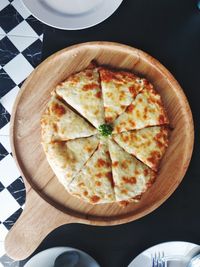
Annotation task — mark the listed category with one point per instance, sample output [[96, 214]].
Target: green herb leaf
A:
[[105, 129]]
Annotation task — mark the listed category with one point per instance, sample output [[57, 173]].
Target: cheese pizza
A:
[[104, 133], [82, 91], [131, 177], [58, 119], [146, 110], [148, 144], [94, 183], [64, 159], [119, 89]]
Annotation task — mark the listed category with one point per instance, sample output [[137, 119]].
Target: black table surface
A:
[[169, 30]]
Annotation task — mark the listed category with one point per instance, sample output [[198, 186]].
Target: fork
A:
[[158, 260]]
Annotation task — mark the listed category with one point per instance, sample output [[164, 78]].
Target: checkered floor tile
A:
[[20, 45]]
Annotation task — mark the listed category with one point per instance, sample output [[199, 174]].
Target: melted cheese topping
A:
[[131, 177], [94, 182], [146, 110], [119, 89], [94, 168], [82, 91], [61, 123], [148, 144], [67, 158]]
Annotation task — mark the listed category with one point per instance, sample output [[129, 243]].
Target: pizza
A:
[[131, 177], [119, 89], [146, 110], [58, 118], [104, 133], [94, 182], [64, 159], [83, 92], [148, 144]]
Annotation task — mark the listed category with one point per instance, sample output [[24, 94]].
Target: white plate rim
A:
[[160, 247], [59, 251], [101, 14]]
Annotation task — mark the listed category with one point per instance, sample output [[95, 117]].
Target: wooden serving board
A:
[[48, 205]]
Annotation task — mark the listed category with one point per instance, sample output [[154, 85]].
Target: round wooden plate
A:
[[48, 205]]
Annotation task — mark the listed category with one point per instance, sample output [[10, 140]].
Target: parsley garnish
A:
[[105, 129]]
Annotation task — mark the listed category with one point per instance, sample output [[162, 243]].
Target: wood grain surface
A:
[[48, 205]]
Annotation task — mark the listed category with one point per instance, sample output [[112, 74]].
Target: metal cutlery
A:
[[158, 260]]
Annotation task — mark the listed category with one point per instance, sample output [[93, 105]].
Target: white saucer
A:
[[177, 253], [72, 14], [47, 257]]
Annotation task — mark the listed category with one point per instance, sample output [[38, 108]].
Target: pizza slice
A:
[[148, 144], [94, 182], [146, 110], [131, 177], [119, 88], [67, 158], [82, 91], [61, 123]]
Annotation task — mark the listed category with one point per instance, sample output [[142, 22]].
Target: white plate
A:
[[47, 257], [177, 253], [72, 14]]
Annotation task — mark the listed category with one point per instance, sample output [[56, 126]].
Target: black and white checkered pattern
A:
[[20, 52]]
